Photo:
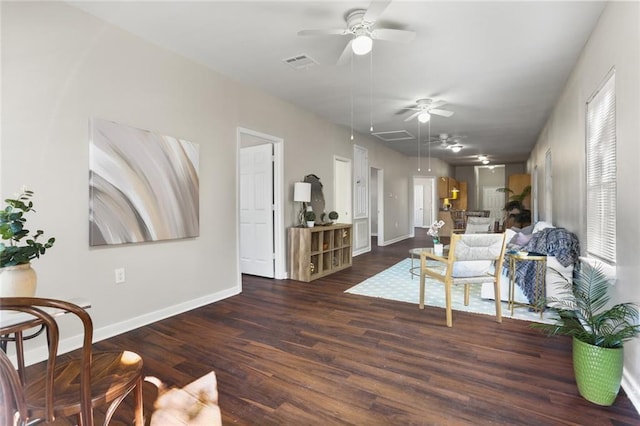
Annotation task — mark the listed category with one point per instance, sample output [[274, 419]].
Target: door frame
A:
[[380, 211], [426, 180], [338, 187], [278, 197]]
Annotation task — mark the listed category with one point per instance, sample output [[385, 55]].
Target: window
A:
[[548, 188], [601, 172]]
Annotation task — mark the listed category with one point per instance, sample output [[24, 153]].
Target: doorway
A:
[[424, 201], [342, 188], [376, 194], [261, 249]]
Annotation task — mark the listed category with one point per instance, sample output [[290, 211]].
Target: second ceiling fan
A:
[[425, 108]]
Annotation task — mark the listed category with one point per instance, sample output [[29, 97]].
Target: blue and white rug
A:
[[396, 283]]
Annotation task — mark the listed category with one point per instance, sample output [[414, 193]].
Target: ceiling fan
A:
[[425, 108], [361, 28], [447, 141]]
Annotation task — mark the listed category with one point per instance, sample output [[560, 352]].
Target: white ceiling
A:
[[499, 65]]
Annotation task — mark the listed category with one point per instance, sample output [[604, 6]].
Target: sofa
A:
[[559, 245]]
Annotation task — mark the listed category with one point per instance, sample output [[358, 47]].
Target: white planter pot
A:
[[18, 281], [438, 248], [310, 224]]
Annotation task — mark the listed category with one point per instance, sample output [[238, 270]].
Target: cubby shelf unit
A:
[[319, 251]]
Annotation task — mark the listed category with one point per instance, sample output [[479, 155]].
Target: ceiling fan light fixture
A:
[[482, 157], [362, 44], [456, 148], [424, 117], [485, 161]]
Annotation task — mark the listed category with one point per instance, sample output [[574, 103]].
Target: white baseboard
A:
[[631, 388], [395, 240], [40, 353]]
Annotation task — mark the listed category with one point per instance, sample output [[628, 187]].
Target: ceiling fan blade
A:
[[442, 112], [412, 116], [375, 10], [346, 54], [335, 31], [437, 104], [388, 34]]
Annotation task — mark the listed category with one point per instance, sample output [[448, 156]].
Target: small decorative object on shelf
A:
[[310, 217], [333, 215], [17, 278]]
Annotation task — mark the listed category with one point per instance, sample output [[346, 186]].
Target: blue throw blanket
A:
[[556, 242]]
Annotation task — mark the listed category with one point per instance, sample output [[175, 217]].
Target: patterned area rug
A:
[[396, 283]]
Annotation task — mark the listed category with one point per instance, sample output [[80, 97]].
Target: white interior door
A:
[[361, 228], [418, 205], [493, 201], [256, 210], [342, 188]]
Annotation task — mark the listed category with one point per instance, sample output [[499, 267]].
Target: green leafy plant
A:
[[309, 216], [333, 215], [12, 229], [515, 200], [582, 314]]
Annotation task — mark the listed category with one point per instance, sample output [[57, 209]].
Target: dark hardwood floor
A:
[[293, 353]]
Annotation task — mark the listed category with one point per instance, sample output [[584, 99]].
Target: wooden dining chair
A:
[[472, 259], [69, 385]]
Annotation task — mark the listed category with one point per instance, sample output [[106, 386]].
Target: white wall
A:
[[614, 43], [62, 66]]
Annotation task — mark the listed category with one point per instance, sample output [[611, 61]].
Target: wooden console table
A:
[[319, 251]]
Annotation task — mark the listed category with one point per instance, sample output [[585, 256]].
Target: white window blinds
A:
[[601, 172]]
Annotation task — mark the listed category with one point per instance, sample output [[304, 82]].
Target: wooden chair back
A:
[[83, 385], [472, 248]]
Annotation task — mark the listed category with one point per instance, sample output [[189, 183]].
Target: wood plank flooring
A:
[[293, 353]]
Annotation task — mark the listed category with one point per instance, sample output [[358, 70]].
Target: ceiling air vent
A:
[[300, 62], [394, 135]]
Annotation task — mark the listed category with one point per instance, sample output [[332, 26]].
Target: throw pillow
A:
[[542, 225], [522, 239]]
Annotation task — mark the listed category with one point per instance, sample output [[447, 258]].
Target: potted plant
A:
[[598, 332], [310, 218], [333, 215], [515, 211], [17, 249]]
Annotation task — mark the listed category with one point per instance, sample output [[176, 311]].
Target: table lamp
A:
[[302, 194]]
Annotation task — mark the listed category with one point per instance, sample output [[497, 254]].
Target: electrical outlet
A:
[[119, 275]]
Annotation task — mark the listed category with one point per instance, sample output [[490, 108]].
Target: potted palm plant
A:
[[18, 248], [514, 209], [598, 332]]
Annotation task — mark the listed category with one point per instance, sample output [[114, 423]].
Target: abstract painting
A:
[[143, 186]]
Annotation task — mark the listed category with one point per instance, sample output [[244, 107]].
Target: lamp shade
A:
[[302, 192]]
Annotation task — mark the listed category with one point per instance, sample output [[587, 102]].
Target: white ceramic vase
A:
[[438, 248], [18, 281]]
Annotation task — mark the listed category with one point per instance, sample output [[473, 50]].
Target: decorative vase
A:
[[438, 248], [598, 372], [18, 281]]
